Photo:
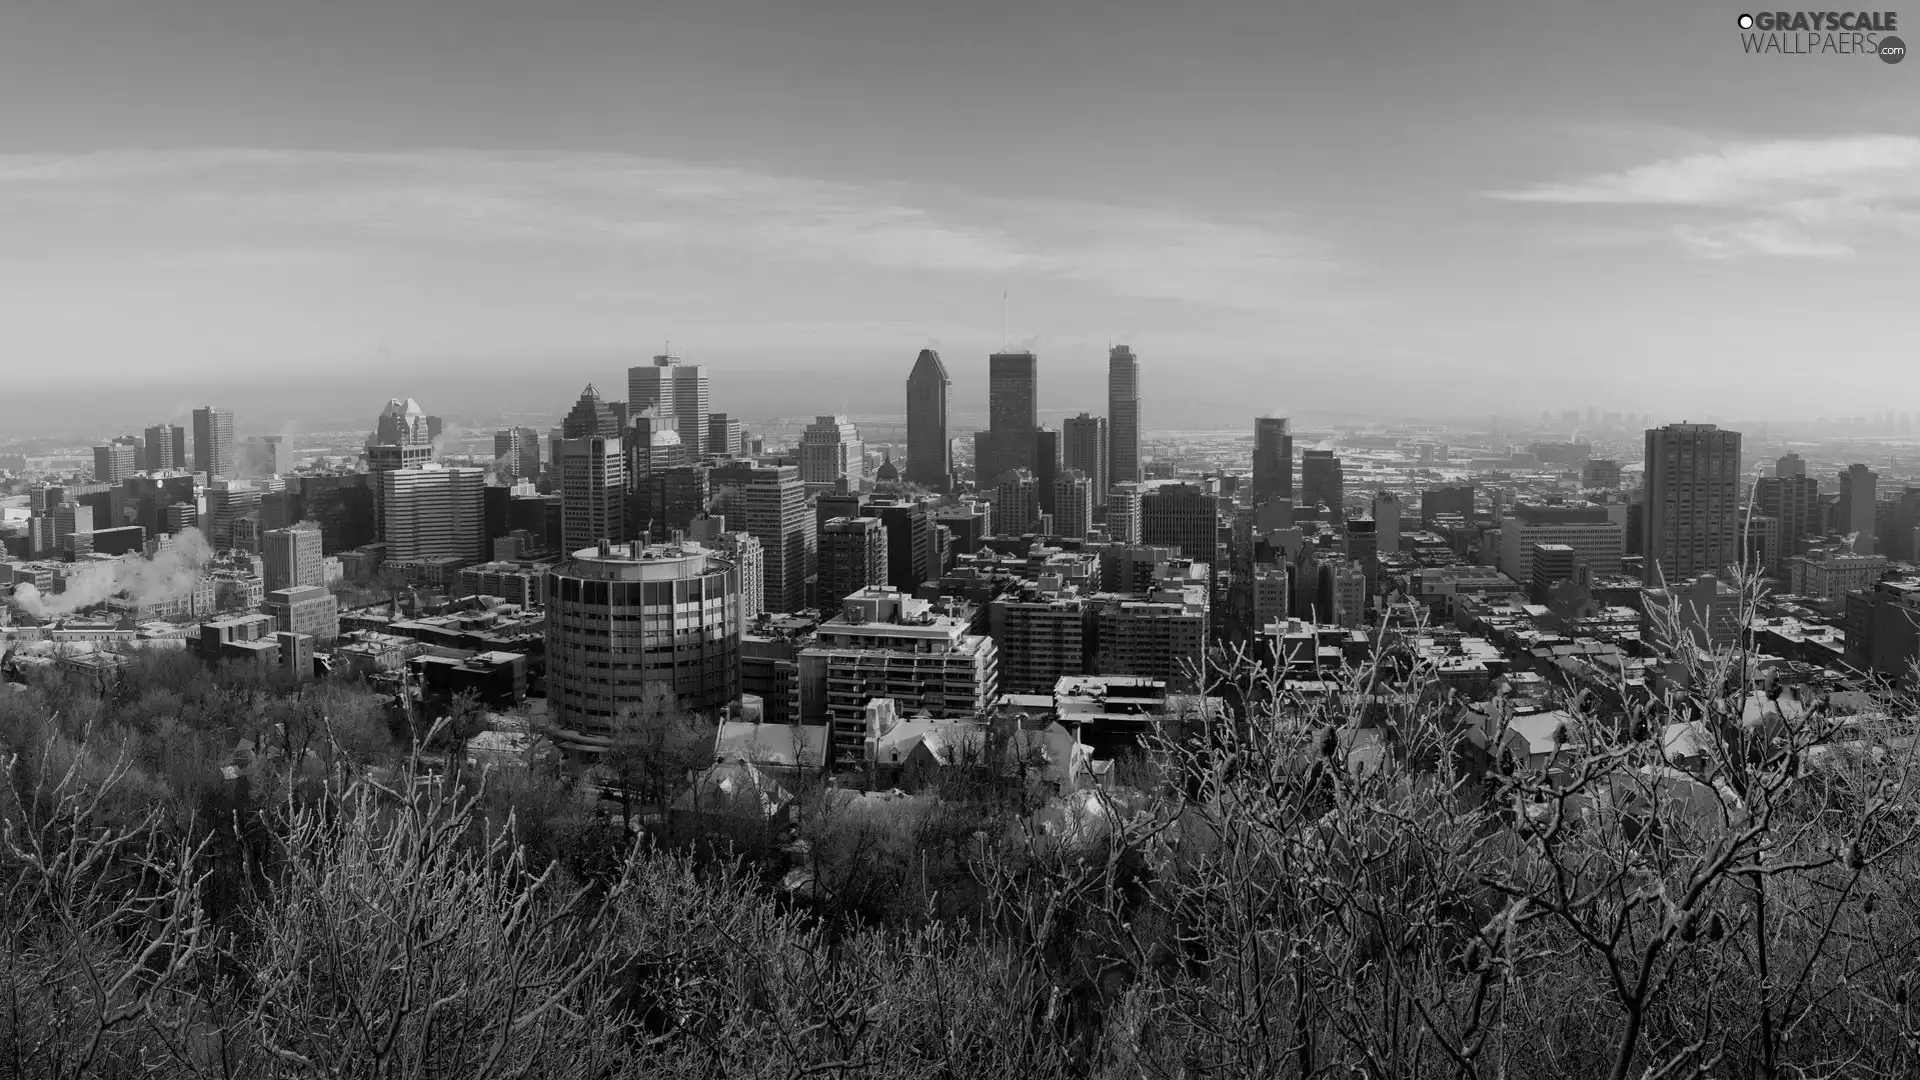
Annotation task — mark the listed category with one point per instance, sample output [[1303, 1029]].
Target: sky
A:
[[1416, 209]]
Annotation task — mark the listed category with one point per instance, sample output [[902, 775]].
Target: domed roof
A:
[[665, 438], [888, 471], [403, 407]]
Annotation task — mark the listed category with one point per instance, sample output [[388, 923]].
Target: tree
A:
[[655, 745]]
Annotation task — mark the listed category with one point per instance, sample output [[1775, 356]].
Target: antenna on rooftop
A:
[[1004, 340]]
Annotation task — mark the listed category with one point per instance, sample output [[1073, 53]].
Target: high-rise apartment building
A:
[[1322, 483], [831, 451], [623, 618], [1693, 502], [1272, 459], [433, 512], [771, 503], [1072, 504], [1123, 416], [674, 388], [853, 555], [929, 447], [292, 557], [518, 452], [740, 548], [884, 643], [1123, 511], [1013, 415], [1859, 487], [1016, 504], [213, 441], [166, 448], [1084, 445]]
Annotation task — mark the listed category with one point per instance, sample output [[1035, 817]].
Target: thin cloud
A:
[[1801, 198], [601, 200]]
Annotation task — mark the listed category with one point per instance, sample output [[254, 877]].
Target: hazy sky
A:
[[1282, 206]]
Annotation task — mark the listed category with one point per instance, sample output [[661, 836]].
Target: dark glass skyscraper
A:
[[1123, 416], [929, 451], [1013, 415], [1272, 459]]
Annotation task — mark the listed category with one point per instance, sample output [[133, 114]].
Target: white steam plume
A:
[[167, 576]]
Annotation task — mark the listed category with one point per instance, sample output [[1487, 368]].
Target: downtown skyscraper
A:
[[1272, 459], [593, 475], [671, 387], [1123, 416], [1013, 416], [1084, 446], [213, 441], [1693, 502], [929, 448]]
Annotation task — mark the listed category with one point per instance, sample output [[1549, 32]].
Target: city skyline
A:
[[381, 199]]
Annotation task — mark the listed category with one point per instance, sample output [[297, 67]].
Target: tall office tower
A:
[[771, 503], [1272, 459], [1182, 515], [518, 452], [723, 435], [228, 501], [1072, 504], [653, 443], [166, 448], [1790, 465], [1898, 525], [1046, 465], [608, 611], [1693, 502], [70, 518], [434, 512], [113, 462], [1600, 474], [213, 441], [291, 557], [1084, 446], [910, 533], [831, 451], [590, 418], [1013, 414], [1016, 505], [1858, 491], [593, 492], [929, 449], [1123, 416], [676, 389], [853, 555], [400, 440], [1322, 483], [1386, 516]]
